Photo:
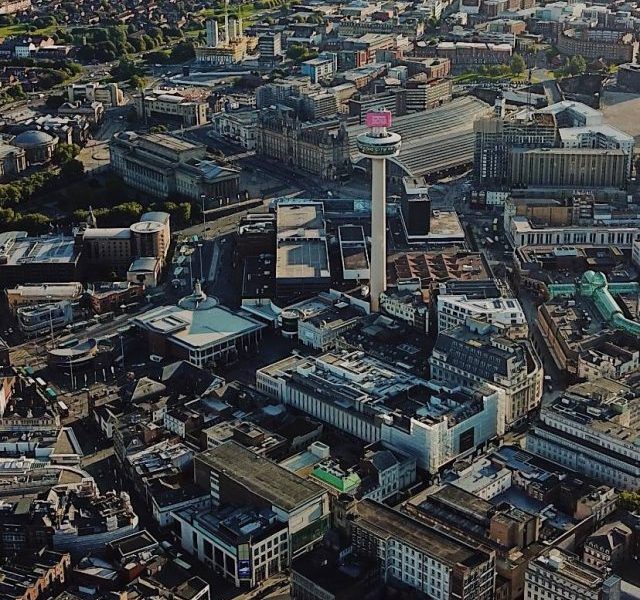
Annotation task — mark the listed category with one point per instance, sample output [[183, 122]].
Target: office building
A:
[[162, 165], [495, 138], [505, 314], [577, 168], [321, 68], [118, 246], [108, 94], [593, 429], [236, 476], [170, 106], [477, 353], [302, 259], [377, 401], [270, 47], [420, 556], [557, 575], [420, 93], [598, 136]]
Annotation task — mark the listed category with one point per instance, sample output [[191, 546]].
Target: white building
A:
[[558, 575], [421, 557], [35, 320], [38, 293], [505, 313], [590, 430], [239, 127], [358, 394], [477, 353], [598, 136], [406, 302]]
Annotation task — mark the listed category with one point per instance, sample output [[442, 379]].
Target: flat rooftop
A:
[[19, 249], [392, 524], [267, 479], [197, 328], [302, 251], [445, 224]]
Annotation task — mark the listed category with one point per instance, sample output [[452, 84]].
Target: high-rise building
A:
[[212, 33], [577, 168], [270, 46], [497, 136], [378, 144]]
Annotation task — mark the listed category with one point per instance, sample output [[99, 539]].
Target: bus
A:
[[63, 408], [495, 224], [68, 342]]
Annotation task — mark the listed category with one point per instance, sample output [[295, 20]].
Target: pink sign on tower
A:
[[380, 118]]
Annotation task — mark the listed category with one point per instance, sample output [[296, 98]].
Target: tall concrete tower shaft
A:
[[378, 144]]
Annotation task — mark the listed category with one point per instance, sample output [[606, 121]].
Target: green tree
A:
[[517, 64], [65, 153], [72, 169], [629, 501], [137, 82], [183, 52], [576, 65]]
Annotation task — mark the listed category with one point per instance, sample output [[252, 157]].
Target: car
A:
[[155, 358]]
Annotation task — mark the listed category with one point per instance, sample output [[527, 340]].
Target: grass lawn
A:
[[21, 29]]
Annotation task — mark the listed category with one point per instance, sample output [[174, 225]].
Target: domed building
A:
[[38, 145]]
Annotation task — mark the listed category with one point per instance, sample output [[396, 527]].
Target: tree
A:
[[65, 153], [137, 82], [577, 65], [183, 52], [300, 53], [629, 501], [517, 64], [72, 169], [158, 129]]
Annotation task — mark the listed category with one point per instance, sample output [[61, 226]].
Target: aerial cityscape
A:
[[325, 300]]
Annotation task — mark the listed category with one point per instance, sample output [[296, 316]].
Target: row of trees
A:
[[122, 215]]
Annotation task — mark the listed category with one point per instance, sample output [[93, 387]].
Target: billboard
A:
[[381, 118]]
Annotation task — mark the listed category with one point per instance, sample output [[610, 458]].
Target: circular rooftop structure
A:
[[198, 300], [374, 146], [147, 227], [33, 139]]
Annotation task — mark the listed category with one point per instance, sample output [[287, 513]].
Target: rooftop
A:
[[392, 524], [19, 249], [272, 482]]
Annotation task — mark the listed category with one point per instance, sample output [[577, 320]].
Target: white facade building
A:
[[353, 392], [589, 430], [505, 313], [558, 575]]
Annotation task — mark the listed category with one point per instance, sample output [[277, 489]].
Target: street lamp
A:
[[204, 216], [201, 271], [120, 330], [50, 318]]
